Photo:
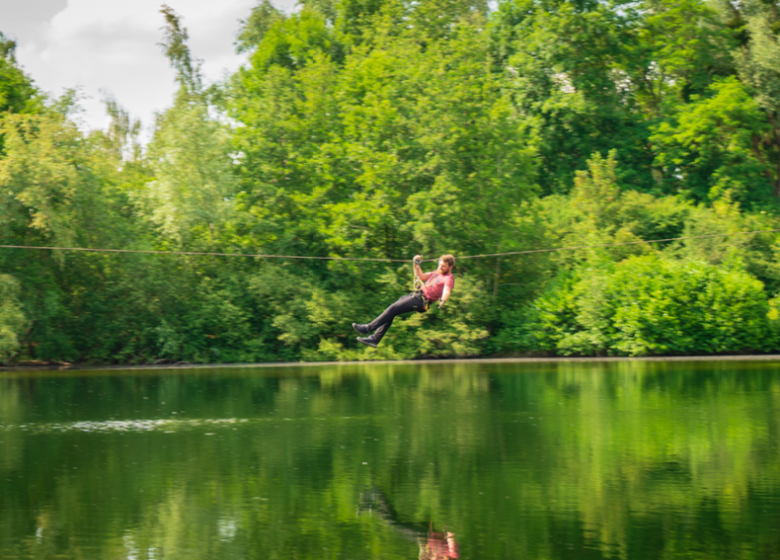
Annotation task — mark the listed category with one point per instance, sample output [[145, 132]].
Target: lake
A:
[[612, 460]]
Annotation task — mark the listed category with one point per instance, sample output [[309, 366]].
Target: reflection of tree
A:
[[576, 455], [11, 412]]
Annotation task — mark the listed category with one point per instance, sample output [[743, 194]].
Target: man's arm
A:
[[418, 270], [445, 295]]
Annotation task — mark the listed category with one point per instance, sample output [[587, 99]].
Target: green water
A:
[[627, 460]]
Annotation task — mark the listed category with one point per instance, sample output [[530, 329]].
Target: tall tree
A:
[[255, 27], [175, 47], [758, 61], [189, 154]]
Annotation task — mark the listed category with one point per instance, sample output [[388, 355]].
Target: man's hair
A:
[[449, 259]]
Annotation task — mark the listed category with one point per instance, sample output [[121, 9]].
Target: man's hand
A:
[[418, 269], [444, 296]]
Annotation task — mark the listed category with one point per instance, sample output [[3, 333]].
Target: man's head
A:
[[446, 264]]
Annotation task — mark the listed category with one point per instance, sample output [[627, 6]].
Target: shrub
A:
[[648, 305]]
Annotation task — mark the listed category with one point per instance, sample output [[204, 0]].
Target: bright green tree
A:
[[17, 92], [720, 143]]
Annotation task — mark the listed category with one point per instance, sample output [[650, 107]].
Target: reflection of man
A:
[[438, 286], [440, 546]]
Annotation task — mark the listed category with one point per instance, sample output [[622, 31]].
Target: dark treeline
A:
[[386, 128]]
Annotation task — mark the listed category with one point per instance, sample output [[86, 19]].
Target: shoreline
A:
[[444, 361]]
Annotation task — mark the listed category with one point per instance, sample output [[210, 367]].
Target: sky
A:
[[110, 48]]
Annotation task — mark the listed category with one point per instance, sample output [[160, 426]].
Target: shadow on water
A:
[[374, 504]]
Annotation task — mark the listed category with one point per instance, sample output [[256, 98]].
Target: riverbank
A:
[[510, 360]]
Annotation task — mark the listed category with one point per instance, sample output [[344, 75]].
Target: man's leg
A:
[[406, 304]]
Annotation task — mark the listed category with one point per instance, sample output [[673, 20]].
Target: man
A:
[[438, 286]]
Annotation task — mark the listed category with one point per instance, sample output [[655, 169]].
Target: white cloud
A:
[[25, 19], [112, 46]]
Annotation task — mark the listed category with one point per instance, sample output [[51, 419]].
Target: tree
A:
[[566, 65], [758, 62], [178, 52], [256, 26], [189, 155], [720, 145], [17, 92]]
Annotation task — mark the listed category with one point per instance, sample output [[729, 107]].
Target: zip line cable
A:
[[258, 256]]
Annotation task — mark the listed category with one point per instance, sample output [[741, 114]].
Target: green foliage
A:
[[178, 52], [12, 319], [394, 146], [680, 48], [565, 63], [255, 27], [17, 92], [718, 145], [758, 62], [292, 42], [194, 185], [385, 128], [650, 305], [47, 192], [757, 59]]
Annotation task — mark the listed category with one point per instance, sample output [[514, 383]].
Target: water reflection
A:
[[624, 460], [439, 546], [124, 425], [432, 545]]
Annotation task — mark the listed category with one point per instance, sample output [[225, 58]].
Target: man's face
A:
[[444, 268]]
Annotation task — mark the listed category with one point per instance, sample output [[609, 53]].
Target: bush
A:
[[648, 305]]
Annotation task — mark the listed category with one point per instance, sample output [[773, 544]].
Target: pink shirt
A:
[[440, 548], [434, 287]]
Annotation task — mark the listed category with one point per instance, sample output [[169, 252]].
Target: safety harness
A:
[[417, 286]]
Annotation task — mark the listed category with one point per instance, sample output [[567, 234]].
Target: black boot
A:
[[361, 329], [368, 341]]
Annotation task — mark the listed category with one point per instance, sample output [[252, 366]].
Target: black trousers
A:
[[405, 304]]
